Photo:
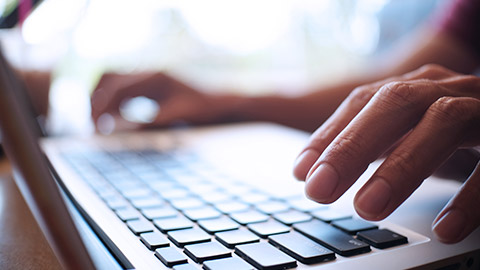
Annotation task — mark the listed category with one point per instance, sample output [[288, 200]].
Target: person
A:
[[418, 108]]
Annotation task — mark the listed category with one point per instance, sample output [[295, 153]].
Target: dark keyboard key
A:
[[301, 248], [228, 263], [185, 267], [292, 217], [184, 204], [207, 251], [332, 238], [264, 229], [159, 212], [237, 237], [140, 226], [170, 256], [329, 215], [353, 225], [248, 217], [147, 202], [305, 205], [218, 225], [154, 240], [231, 207], [272, 207], [172, 224], [206, 212], [265, 256], [382, 238], [188, 237], [127, 214]]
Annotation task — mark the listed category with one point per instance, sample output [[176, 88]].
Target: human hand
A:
[[418, 121], [178, 101]]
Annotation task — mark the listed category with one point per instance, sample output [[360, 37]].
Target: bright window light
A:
[[238, 26]]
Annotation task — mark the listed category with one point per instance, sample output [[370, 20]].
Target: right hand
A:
[[177, 101]]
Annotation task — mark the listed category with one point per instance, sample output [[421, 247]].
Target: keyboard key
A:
[[332, 238], [329, 215], [159, 212], [272, 207], [184, 204], [248, 217], [305, 205], [238, 189], [154, 240], [116, 202], [185, 267], [135, 193], [265, 256], [292, 217], [228, 263], [231, 207], [253, 198], [170, 256], [215, 197], [207, 251], [301, 248], [172, 224], [202, 188], [264, 229], [382, 238], [140, 226], [218, 225], [174, 193], [127, 214], [353, 225], [188, 236], [147, 202], [237, 237], [206, 212]]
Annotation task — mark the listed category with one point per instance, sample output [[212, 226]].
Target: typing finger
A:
[[460, 216], [449, 123], [354, 103]]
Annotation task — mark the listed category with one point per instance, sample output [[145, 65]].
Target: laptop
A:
[[218, 197]]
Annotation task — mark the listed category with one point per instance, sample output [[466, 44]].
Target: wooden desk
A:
[[22, 244]]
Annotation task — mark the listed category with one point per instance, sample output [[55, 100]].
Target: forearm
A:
[[309, 111], [304, 112]]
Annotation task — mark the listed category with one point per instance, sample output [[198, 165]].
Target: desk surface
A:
[[22, 244]]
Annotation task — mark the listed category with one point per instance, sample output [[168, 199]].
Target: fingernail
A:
[[451, 226], [373, 201], [304, 162], [322, 183]]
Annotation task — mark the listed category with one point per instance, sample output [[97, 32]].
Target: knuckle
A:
[[432, 69], [468, 82], [361, 96], [347, 148], [405, 160], [455, 109], [404, 163], [399, 93]]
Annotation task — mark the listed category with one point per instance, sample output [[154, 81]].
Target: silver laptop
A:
[[219, 197]]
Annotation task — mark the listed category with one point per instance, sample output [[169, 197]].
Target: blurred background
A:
[[246, 46]]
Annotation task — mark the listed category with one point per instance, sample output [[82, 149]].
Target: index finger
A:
[[345, 113]]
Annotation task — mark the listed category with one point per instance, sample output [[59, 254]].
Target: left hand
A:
[[418, 120]]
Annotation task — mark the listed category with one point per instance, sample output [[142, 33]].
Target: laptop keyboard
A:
[[189, 222]]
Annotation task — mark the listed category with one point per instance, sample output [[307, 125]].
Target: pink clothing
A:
[[462, 21]]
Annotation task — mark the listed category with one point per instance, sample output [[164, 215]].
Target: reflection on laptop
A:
[[212, 198]]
